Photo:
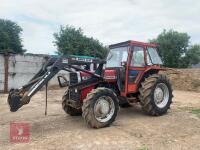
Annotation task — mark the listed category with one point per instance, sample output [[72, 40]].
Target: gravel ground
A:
[[178, 129]]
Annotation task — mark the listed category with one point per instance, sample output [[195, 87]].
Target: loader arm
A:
[[19, 97]]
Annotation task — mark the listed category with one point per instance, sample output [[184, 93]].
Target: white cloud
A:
[[108, 21]]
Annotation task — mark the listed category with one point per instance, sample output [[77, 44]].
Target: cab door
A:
[[136, 68]]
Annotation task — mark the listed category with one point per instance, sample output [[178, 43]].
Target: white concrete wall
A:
[[22, 68], [2, 72]]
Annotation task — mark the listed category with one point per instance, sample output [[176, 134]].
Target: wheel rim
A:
[[104, 109], [161, 95]]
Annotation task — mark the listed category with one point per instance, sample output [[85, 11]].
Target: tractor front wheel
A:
[[100, 108], [68, 109], [156, 95]]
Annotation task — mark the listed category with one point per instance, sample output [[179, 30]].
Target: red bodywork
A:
[[110, 75], [85, 91]]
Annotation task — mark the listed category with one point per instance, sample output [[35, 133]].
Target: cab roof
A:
[[131, 43]]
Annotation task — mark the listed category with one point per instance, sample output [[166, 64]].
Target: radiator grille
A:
[[73, 78], [74, 93]]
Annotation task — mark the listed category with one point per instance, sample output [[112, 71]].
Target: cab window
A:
[[137, 57], [153, 57], [116, 56]]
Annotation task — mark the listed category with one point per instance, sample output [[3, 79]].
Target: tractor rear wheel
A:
[[100, 108], [67, 108], [156, 95]]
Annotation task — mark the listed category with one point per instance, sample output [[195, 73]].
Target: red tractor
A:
[[129, 75]]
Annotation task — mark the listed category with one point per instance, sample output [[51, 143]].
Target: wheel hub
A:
[[104, 109], [161, 95]]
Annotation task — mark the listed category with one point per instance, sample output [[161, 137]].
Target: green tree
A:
[[70, 40], [10, 40], [193, 55], [172, 47]]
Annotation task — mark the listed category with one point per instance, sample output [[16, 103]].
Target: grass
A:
[[196, 112], [143, 148]]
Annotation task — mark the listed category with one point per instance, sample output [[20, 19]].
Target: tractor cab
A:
[[127, 62]]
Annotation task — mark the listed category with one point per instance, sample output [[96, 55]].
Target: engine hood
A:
[[110, 75]]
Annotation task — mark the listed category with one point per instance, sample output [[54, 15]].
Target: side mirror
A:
[[123, 63], [62, 81]]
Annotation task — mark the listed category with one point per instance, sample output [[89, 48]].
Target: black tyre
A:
[[100, 108], [156, 95], [68, 109]]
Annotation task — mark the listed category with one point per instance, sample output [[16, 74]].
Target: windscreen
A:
[[116, 56]]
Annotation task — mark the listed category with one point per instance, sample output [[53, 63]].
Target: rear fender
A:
[[147, 73]]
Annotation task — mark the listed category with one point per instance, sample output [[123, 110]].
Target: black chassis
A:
[[19, 97]]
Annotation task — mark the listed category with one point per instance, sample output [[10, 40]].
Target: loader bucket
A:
[[14, 101]]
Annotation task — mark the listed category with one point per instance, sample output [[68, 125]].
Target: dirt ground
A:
[[178, 129]]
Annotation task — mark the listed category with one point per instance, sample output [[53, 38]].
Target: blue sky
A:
[[109, 21]]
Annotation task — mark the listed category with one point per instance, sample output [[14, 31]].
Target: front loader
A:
[[129, 75]]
